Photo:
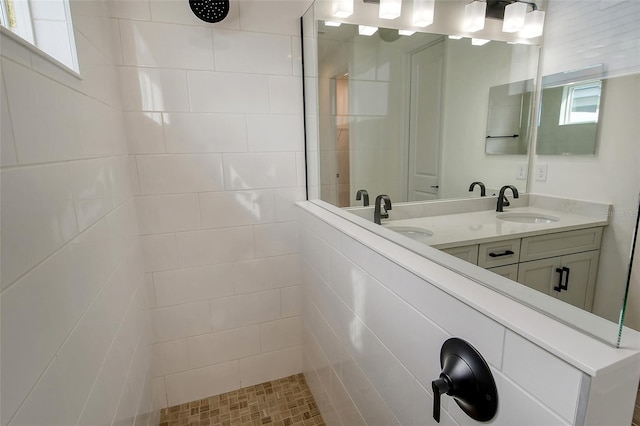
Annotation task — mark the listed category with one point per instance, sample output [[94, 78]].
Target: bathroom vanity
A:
[[553, 252]]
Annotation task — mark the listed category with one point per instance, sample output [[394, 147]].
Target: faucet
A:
[[364, 195], [483, 190], [377, 215], [502, 200]]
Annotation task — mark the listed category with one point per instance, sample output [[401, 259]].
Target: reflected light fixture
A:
[[367, 30], [479, 41], [332, 23], [389, 9], [423, 12], [342, 8], [406, 32], [514, 16], [533, 24], [455, 37], [474, 16]]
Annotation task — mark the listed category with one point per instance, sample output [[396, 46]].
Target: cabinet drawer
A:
[[560, 243], [508, 271], [499, 253], [467, 253]]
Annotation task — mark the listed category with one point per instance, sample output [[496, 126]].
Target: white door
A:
[[424, 125]]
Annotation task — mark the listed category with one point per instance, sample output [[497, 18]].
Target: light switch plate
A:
[[522, 171], [541, 172]]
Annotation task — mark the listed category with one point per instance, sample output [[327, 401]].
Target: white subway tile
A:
[[15, 51], [144, 132], [316, 252], [97, 128], [43, 115], [285, 95], [168, 213], [280, 334], [345, 408], [202, 383], [166, 174], [515, 407], [264, 274], [152, 89], [535, 370], [190, 285], [133, 172], [160, 252], [130, 9], [178, 12], [236, 208], [202, 132], [91, 190], [280, 17], [218, 92], [275, 239], [175, 322], [241, 51], [38, 216], [291, 301], [120, 180], [275, 133], [246, 309], [153, 44], [7, 143], [214, 246], [215, 348], [301, 177], [158, 393], [122, 227], [170, 357], [255, 171], [285, 202], [296, 53], [270, 366]]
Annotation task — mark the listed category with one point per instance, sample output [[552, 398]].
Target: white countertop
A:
[[455, 230]]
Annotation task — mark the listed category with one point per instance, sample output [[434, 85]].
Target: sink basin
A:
[[526, 218], [412, 232]]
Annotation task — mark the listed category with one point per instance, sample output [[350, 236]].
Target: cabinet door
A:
[[468, 253], [540, 275], [509, 271], [581, 269]]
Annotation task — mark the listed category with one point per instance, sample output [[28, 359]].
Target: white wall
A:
[[375, 317], [75, 322], [213, 116], [578, 35]]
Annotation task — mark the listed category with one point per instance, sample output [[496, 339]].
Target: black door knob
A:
[[467, 378]]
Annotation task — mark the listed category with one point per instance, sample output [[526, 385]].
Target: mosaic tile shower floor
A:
[[283, 402]]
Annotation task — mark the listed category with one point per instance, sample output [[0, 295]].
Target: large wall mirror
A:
[[452, 129]]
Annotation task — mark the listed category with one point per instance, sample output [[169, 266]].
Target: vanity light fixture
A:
[[474, 14], [342, 8], [389, 9], [479, 41], [423, 12], [406, 32], [332, 23], [455, 37], [514, 16], [533, 24], [367, 30]]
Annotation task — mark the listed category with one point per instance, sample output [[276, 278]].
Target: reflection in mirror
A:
[[396, 111], [508, 122], [569, 111], [563, 246]]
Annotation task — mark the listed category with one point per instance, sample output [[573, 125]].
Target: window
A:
[[581, 103], [45, 24]]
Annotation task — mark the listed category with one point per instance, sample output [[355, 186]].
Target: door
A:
[[424, 122], [580, 275], [540, 275]]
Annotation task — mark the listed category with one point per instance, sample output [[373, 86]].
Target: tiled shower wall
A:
[[75, 321], [213, 117]]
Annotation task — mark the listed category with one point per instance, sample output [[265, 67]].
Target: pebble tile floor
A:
[[283, 402]]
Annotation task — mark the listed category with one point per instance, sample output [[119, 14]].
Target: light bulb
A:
[[390, 9], [514, 16], [342, 8], [533, 24], [474, 16], [366, 30], [423, 12]]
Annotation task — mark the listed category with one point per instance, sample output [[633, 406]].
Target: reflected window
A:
[[581, 103]]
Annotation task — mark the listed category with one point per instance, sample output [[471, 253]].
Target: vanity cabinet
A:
[[561, 264]]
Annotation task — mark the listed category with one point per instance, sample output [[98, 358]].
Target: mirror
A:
[[557, 187], [569, 112], [396, 110]]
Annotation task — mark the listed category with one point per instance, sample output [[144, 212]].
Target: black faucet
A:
[[502, 200], [364, 195], [483, 190], [377, 215]]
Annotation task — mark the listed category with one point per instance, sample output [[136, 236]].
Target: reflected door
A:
[[424, 126]]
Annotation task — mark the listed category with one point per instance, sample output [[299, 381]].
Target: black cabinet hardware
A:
[[560, 285], [504, 253]]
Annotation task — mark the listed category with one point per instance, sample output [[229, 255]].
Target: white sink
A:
[[412, 232], [526, 217]]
